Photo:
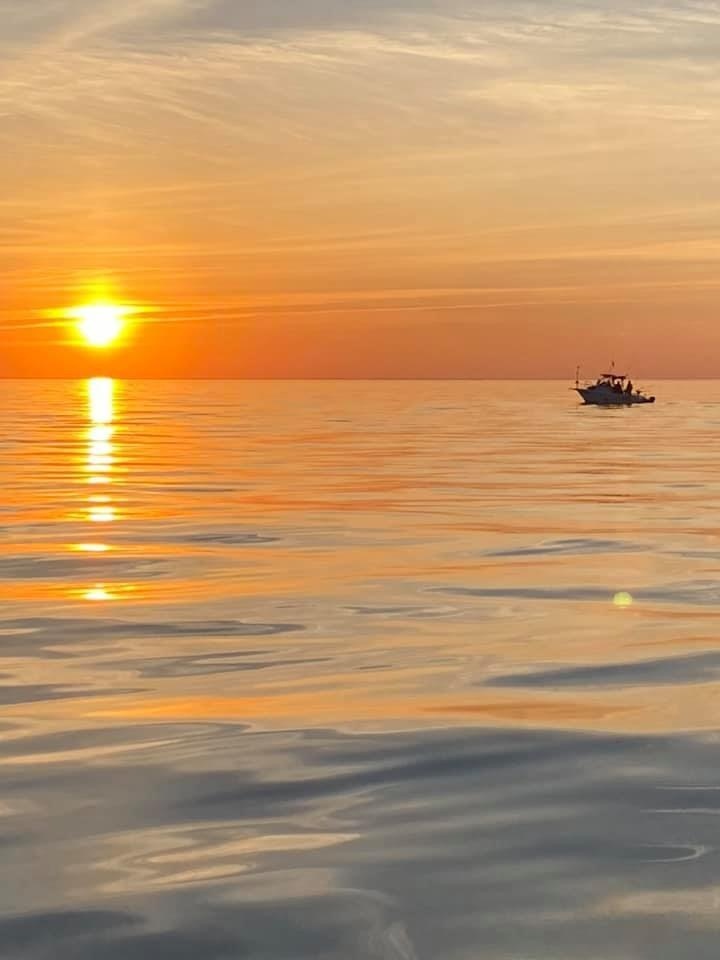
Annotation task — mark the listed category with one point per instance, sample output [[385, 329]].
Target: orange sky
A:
[[362, 188]]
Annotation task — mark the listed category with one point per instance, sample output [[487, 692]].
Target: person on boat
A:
[[629, 388]]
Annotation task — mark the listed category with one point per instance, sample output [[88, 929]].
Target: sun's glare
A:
[[100, 324]]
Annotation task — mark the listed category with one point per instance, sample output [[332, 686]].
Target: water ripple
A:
[[698, 668]]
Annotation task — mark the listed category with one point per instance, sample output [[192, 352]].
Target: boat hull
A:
[[598, 397]]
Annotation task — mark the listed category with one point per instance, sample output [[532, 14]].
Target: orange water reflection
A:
[[433, 588]]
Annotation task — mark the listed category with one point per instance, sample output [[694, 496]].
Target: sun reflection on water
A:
[[101, 514], [101, 395], [98, 593], [101, 402], [99, 466]]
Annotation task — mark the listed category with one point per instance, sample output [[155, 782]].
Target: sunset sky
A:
[[362, 188]]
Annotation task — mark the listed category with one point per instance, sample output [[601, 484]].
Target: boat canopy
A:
[[614, 376]]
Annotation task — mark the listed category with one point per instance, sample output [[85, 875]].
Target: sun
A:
[[100, 324]]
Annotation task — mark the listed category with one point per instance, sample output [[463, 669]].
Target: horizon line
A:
[[310, 379]]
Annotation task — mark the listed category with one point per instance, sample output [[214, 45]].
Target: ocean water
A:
[[412, 671]]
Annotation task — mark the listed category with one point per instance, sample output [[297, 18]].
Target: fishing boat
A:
[[611, 390]]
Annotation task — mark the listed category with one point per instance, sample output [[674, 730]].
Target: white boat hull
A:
[[603, 397]]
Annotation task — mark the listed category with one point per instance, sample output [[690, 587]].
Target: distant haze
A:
[[356, 188]]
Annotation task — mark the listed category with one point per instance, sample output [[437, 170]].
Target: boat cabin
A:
[[617, 382]]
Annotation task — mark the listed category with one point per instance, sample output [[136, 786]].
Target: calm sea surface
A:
[[335, 671]]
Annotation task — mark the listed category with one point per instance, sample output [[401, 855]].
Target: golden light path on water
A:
[[99, 467]]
